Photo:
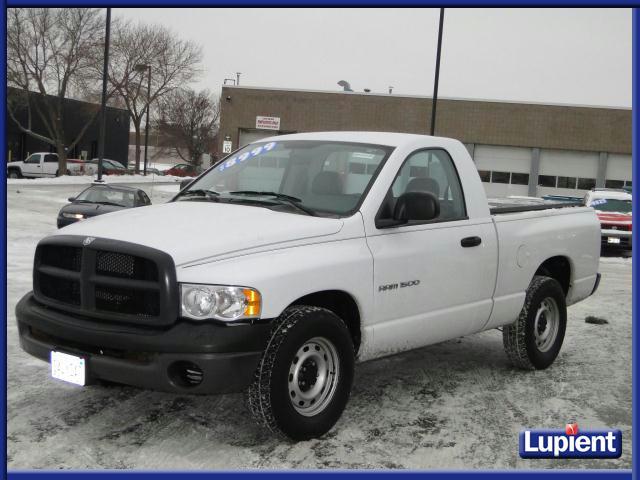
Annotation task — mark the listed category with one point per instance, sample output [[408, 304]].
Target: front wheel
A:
[[13, 173], [533, 341], [303, 381]]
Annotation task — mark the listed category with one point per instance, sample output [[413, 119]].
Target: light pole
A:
[[103, 111], [434, 100], [142, 68]]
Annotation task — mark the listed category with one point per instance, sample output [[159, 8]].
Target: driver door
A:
[[32, 166], [433, 280]]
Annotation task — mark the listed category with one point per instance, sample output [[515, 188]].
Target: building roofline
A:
[[426, 97]]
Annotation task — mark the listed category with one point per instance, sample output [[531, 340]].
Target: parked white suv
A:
[[296, 256]]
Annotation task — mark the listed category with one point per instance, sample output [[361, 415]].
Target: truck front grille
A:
[[106, 280]]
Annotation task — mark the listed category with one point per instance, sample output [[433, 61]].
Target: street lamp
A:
[[103, 105], [434, 100], [142, 68]]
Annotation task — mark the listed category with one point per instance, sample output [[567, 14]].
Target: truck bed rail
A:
[[497, 208]]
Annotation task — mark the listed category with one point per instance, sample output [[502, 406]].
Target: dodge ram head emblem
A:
[[88, 240]]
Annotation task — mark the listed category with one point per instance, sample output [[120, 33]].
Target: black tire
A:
[[14, 173], [523, 347], [270, 396]]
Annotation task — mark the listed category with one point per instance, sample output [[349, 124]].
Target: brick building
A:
[[519, 148]]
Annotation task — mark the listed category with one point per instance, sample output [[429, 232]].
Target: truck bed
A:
[[499, 206]]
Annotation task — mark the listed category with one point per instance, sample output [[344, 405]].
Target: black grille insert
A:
[[120, 265], [121, 300], [60, 289], [68, 258]]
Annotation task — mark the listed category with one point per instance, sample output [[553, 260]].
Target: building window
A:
[[567, 182], [615, 183], [500, 177], [586, 183], [519, 179], [546, 181], [485, 175]]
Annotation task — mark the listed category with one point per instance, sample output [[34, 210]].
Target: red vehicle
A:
[[613, 208], [183, 170]]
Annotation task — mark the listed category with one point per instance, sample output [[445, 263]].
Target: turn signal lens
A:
[[254, 303]]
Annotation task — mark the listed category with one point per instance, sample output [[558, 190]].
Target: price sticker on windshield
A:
[[261, 149]]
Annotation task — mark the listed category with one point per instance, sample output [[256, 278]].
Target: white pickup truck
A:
[[295, 257], [42, 164]]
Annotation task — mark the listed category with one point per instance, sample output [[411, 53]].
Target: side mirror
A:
[[71, 199], [412, 207], [185, 183], [416, 206]]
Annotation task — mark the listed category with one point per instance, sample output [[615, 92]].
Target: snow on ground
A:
[[455, 405]]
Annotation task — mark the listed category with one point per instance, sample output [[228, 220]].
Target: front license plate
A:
[[613, 240], [69, 368]]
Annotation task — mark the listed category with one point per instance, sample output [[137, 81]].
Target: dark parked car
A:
[[99, 199], [109, 167], [183, 170]]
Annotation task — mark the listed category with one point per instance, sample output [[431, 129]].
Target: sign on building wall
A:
[[268, 123], [226, 146]]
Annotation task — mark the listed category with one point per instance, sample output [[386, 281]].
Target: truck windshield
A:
[[320, 177], [612, 205]]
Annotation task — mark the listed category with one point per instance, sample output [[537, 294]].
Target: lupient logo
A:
[[571, 443]]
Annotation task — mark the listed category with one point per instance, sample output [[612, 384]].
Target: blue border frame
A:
[[552, 474]]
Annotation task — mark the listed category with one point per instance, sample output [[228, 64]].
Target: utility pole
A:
[[146, 125], [238, 78], [103, 107], [434, 100]]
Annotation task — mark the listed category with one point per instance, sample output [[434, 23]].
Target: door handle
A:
[[470, 242]]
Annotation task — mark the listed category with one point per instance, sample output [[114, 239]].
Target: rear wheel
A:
[[303, 382], [534, 340]]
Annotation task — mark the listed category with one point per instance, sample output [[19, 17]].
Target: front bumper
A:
[[226, 355], [622, 238]]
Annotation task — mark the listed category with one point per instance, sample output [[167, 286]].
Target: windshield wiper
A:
[[110, 203], [289, 199], [200, 192]]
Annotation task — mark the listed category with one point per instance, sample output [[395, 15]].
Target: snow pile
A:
[[87, 179]]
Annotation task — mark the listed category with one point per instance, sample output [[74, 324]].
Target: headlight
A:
[[77, 216], [201, 302]]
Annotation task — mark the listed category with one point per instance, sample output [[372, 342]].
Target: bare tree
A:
[[51, 55], [173, 63], [189, 120]]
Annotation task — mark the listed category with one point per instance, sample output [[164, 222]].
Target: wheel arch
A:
[[342, 304], [559, 268]]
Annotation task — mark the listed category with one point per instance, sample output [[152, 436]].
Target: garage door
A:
[[619, 167], [504, 170], [567, 172], [253, 135]]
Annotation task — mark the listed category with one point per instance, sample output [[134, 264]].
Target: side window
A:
[[144, 199], [430, 171], [50, 158], [35, 158]]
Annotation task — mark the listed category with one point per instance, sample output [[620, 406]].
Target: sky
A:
[[567, 56]]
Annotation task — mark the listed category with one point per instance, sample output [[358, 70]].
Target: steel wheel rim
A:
[[313, 376], [546, 324]]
